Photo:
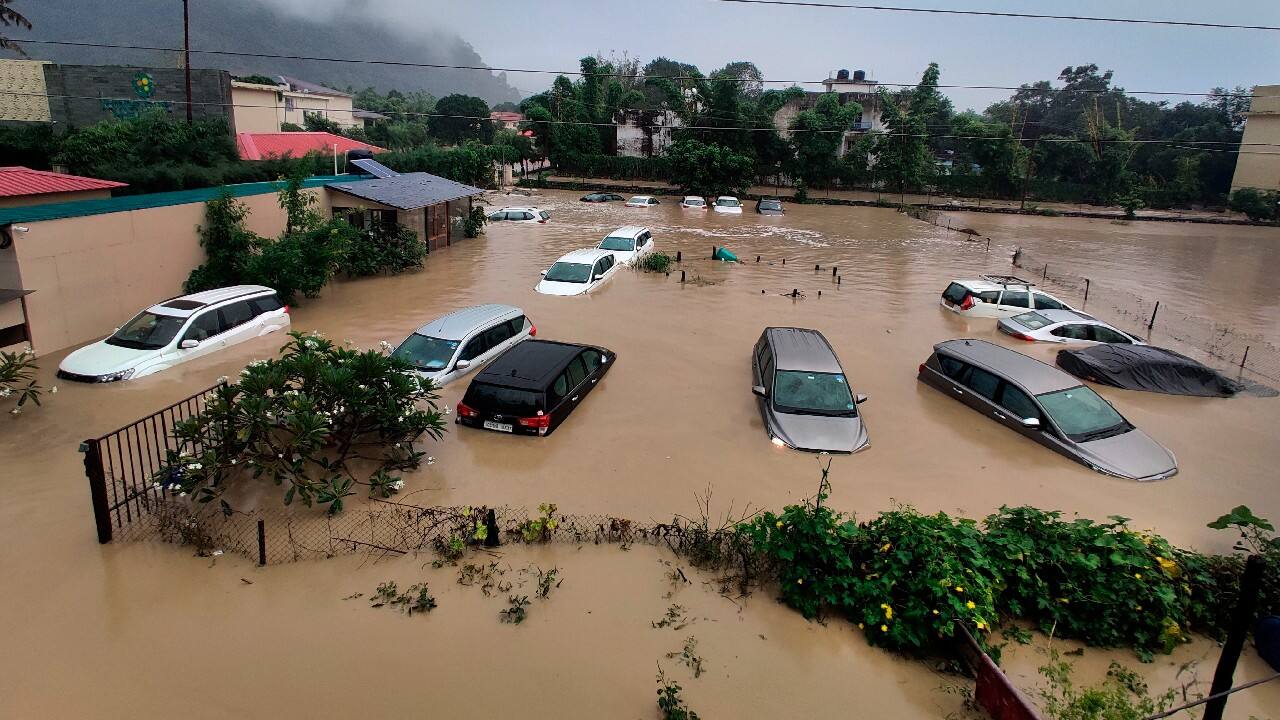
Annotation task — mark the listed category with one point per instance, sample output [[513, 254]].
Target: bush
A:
[[1257, 205], [302, 262], [656, 262], [474, 223], [18, 377], [297, 420], [374, 253]]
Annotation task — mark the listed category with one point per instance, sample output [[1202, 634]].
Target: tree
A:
[[318, 122], [461, 117], [903, 159], [709, 169], [994, 149], [1230, 105], [817, 136], [12, 18], [1257, 204]]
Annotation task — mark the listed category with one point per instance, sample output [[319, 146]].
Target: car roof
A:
[[694, 197], [1061, 316], [981, 285], [185, 305], [627, 231], [802, 349], [529, 208], [1032, 375], [584, 255], [726, 197], [637, 197], [457, 324], [529, 365]]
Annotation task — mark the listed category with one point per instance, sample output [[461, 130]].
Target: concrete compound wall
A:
[[81, 95], [91, 274]]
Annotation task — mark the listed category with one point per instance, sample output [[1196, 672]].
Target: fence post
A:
[[1045, 275], [97, 489], [1246, 356], [678, 258], [262, 542], [1086, 291], [1240, 624], [833, 270], [491, 530], [988, 244], [1152, 321]]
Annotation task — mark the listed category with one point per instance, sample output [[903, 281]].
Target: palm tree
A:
[[11, 17]]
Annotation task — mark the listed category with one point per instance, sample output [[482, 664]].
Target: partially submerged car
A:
[[1063, 326], [532, 388], [1047, 405], [728, 205], [453, 345], [628, 243], [599, 197], [520, 214], [176, 331], [803, 393], [640, 201], [1150, 369], [693, 202], [769, 206], [997, 296], [578, 272]]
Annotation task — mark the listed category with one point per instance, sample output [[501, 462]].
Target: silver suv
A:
[[803, 393], [1047, 405]]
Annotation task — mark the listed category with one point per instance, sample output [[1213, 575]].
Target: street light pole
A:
[[186, 52]]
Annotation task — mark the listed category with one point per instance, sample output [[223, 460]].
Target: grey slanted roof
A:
[[407, 192], [309, 87]]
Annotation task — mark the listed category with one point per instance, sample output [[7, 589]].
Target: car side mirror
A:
[[188, 344], [760, 391], [544, 272], [1031, 423], [859, 399], [462, 364], [597, 277]]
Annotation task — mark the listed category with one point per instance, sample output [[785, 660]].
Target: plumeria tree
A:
[[18, 378], [319, 420]]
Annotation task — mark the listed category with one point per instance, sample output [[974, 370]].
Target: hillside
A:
[[250, 26]]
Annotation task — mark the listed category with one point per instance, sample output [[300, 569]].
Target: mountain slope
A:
[[250, 26]]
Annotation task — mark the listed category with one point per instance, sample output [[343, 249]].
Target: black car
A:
[[602, 197], [531, 388], [769, 206]]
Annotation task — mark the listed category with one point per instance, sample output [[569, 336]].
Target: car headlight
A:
[[113, 377]]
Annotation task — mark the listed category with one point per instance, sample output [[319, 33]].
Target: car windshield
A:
[[569, 272], [1035, 321], [618, 243], [812, 393], [694, 201], [426, 353], [1082, 414], [728, 202], [770, 205], [640, 199], [147, 331], [501, 400]]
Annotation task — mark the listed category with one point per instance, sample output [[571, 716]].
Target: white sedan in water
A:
[[1064, 326], [628, 244], [578, 272], [728, 205], [693, 202]]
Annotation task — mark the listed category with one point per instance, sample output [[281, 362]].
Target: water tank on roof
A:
[[858, 75], [842, 75]]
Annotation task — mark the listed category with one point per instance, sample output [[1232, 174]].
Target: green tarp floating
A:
[[725, 255]]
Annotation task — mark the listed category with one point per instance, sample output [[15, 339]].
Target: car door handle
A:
[[573, 399], [957, 390], [595, 380], [998, 415]]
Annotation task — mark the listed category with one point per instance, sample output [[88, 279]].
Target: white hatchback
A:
[[578, 272], [628, 244], [693, 202], [642, 201], [1064, 326], [520, 214], [997, 296], [451, 346], [728, 204], [176, 331]]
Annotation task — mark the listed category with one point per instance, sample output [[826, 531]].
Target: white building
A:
[[645, 133], [264, 108], [855, 87]]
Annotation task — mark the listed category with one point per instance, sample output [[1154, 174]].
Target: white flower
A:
[[157, 486], [280, 455], [222, 379], [397, 485], [195, 466], [15, 411], [233, 461], [182, 494], [53, 390], [386, 346]]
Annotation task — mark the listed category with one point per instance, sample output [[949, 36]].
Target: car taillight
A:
[[921, 370], [533, 330], [286, 309], [542, 222], [1021, 336], [465, 410], [968, 302], [540, 422]]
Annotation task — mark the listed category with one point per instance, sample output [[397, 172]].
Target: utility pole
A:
[[186, 53]]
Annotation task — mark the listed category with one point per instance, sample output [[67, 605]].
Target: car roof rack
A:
[[1007, 280]]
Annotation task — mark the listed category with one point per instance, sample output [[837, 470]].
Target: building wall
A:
[[88, 94], [1262, 125], [92, 273], [644, 133], [22, 91], [861, 93], [338, 109], [256, 108], [46, 198]]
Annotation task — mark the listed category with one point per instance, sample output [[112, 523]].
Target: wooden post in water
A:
[[678, 258], [1045, 275], [1241, 621], [682, 276], [1086, 291], [833, 270], [262, 542], [1246, 356], [1152, 322]]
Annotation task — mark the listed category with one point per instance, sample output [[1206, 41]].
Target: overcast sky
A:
[[794, 43]]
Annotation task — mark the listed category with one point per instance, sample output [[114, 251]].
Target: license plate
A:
[[500, 427]]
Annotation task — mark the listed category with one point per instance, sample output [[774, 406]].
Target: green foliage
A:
[[903, 159], [670, 703], [655, 262], [517, 610], [547, 581], [1121, 696], [415, 599], [290, 127], [459, 118], [708, 169], [470, 163], [228, 246], [256, 79], [319, 122], [1257, 205], [817, 136], [540, 528], [299, 419], [383, 250], [18, 377], [474, 223], [302, 262]]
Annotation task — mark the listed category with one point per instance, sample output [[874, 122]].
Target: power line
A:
[[993, 13], [537, 71], [1174, 143]]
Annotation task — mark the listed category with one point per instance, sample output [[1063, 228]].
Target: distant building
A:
[[265, 108], [506, 120], [23, 186], [266, 145], [35, 91], [855, 87], [644, 133], [1261, 135], [434, 207], [368, 118]]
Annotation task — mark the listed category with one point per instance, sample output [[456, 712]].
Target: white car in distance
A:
[[578, 272], [454, 345], [520, 214], [628, 244], [1064, 326], [640, 201], [693, 202], [728, 205], [176, 331]]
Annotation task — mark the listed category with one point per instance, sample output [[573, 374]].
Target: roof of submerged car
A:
[[627, 231], [188, 304], [802, 349], [529, 365], [1034, 376], [584, 256], [458, 323], [1061, 316]]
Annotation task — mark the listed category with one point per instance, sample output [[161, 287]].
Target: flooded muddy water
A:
[[146, 630]]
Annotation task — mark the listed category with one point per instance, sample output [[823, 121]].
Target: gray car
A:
[[1046, 405], [803, 393]]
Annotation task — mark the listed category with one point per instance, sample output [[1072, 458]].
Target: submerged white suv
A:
[[997, 296], [628, 243], [176, 331]]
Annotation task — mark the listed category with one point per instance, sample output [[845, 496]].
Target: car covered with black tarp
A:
[[1144, 367]]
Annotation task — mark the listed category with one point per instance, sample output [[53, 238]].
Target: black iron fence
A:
[[121, 466]]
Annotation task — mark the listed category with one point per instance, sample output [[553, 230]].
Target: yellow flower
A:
[[888, 613], [1138, 608], [859, 626], [959, 589], [1168, 566], [1064, 601], [884, 628], [970, 605], [799, 581], [1137, 576], [935, 612], [779, 523], [982, 626], [885, 547]]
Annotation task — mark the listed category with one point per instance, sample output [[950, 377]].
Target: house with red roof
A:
[[23, 186], [266, 145]]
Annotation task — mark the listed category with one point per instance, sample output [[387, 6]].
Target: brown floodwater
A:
[[146, 630]]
